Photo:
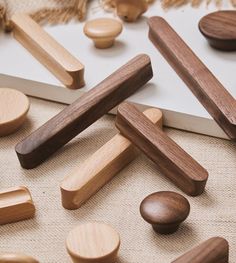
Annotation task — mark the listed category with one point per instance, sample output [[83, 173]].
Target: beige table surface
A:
[[212, 214]]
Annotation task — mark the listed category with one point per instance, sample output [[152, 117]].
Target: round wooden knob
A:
[[130, 10], [93, 242], [16, 258], [165, 211], [14, 106], [103, 31], [219, 28]]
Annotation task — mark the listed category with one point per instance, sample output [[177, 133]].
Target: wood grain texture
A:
[[214, 250], [171, 159], [48, 51], [208, 90], [15, 205], [75, 118], [16, 258], [165, 211], [14, 107], [93, 243], [88, 177], [219, 28]]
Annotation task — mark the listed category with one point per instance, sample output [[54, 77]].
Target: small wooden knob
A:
[[103, 31], [16, 258], [93, 242], [14, 106], [165, 211], [130, 10]]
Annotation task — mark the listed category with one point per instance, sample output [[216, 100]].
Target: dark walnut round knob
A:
[[165, 211], [219, 28]]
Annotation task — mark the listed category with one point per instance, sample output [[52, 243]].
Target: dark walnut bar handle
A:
[[75, 118], [208, 90], [171, 159]]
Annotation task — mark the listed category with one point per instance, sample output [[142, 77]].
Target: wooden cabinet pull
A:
[[75, 118], [48, 51], [171, 159], [208, 90], [214, 250], [88, 177], [16, 258]]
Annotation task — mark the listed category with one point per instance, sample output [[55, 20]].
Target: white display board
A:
[[19, 70]]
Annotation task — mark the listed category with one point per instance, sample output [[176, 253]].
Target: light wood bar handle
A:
[[214, 250], [75, 118], [16, 258], [48, 51], [171, 159], [88, 177], [208, 90]]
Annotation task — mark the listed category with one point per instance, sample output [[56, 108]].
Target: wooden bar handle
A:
[[16, 258], [204, 85], [88, 177], [171, 159], [75, 118], [214, 250], [48, 51]]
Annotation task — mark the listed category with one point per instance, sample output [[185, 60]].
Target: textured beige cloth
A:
[[212, 214]]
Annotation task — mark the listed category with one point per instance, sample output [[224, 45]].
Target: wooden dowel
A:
[[75, 118], [208, 90], [171, 159], [88, 177], [48, 51]]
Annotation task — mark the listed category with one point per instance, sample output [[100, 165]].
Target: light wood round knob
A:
[[131, 10], [93, 243], [165, 211], [14, 106], [103, 31], [16, 258]]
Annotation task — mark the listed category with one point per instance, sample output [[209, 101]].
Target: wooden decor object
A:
[[93, 243], [48, 51], [165, 211], [219, 28], [103, 31], [214, 250], [171, 159], [130, 10], [209, 91], [16, 258], [75, 118], [15, 205], [14, 107], [88, 177]]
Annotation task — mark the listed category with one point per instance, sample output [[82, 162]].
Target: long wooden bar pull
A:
[[88, 177], [171, 159], [16, 258], [209, 91], [48, 51], [75, 118], [214, 250]]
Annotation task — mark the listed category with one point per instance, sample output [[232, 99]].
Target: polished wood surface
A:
[[88, 177], [16, 204], [16, 258], [204, 85], [165, 211], [171, 159], [14, 107], [214, 250], [75, 118], [48, 51], [219, 28], [103, 31], [93, 243]]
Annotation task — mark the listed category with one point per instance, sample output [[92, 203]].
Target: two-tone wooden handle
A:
[[210, 92], [48, 51], [171, 159], [88, 177], [75, 118], [214, 250]]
